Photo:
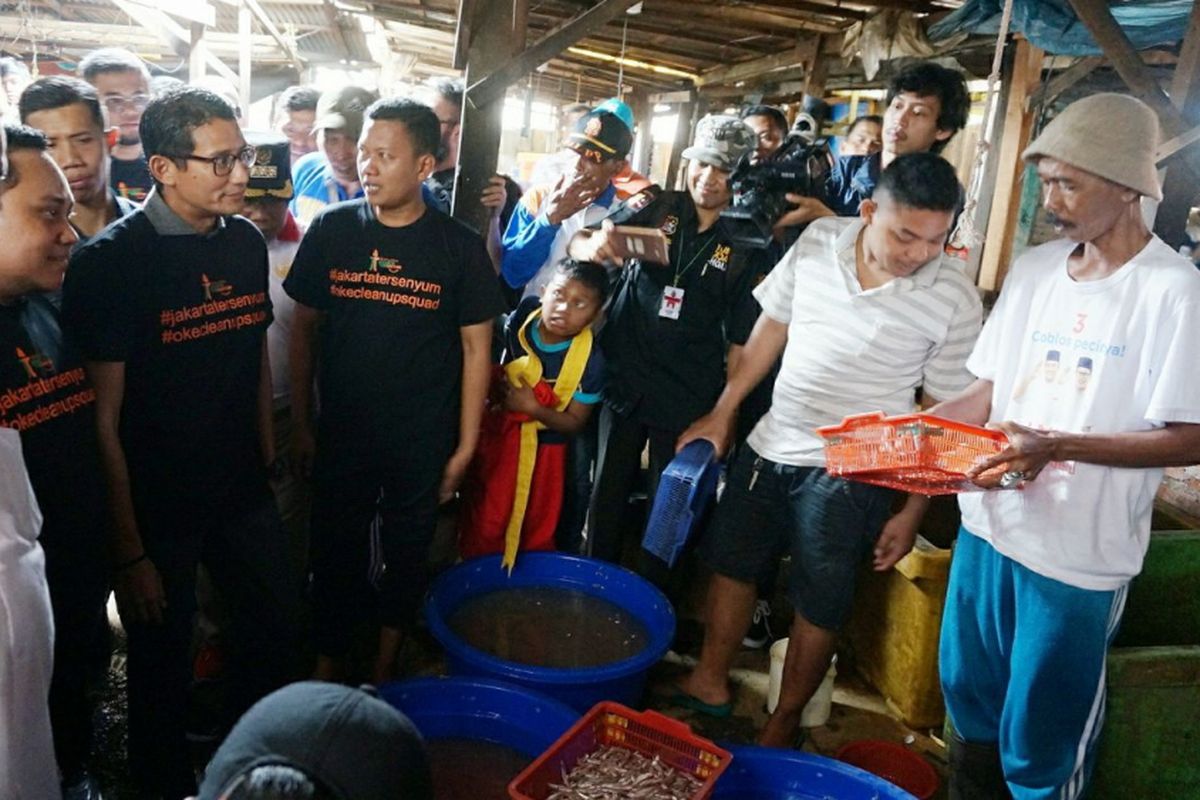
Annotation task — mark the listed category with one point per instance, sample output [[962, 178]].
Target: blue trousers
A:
[[1023, 666]]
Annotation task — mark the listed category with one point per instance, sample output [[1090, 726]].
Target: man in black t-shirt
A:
[[45, 395], [402, 299], [169, 307], [671, 329], [123, 83]]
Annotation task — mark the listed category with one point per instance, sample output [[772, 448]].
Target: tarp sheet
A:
[[1053, 26]]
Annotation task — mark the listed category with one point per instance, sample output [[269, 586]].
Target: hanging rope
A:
[[966, 234], [621, 60]]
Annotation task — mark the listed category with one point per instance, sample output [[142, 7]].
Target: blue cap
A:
[[615, 105]]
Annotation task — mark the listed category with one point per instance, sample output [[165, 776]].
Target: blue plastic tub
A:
[[622, 681], [481, 710], [765, 773]]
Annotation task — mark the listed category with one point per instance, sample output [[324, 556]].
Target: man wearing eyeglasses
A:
[[123, 83], [170, 308]]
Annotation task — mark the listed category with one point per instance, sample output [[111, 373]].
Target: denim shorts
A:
[[828, 525]]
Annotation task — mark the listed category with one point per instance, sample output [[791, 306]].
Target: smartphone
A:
[[644, 244]]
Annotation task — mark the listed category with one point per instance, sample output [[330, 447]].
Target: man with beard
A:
[[1040, 576], [673, 329], [123, 83], [170, 307]]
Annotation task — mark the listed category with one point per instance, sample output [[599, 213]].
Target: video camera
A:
[[800, 166]]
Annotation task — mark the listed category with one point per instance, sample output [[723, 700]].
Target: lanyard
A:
[[679, 273]]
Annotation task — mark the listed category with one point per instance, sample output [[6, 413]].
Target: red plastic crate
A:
[[647, 732], [919, 453]]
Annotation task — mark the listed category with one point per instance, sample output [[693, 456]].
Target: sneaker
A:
[[759, 634]]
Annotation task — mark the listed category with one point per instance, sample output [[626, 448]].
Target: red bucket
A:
[[894, 763]]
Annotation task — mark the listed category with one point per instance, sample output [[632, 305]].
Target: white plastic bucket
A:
[[816, 712]]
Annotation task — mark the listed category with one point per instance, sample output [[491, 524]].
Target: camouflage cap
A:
[[721, 140]]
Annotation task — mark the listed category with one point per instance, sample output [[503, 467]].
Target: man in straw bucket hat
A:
[[1027, 700]]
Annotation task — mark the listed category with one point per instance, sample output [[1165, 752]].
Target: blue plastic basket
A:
[[482, 710], [765, 773], [684, 491], [621, 681]]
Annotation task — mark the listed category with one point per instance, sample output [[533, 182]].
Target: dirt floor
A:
[[858, 711]]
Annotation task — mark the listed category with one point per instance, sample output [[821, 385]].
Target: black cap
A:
[[271, 172], [600, 136], [351, 743]]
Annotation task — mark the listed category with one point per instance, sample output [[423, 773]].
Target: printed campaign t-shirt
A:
[[552, 356], [186, 313], [45, 395], [391, 349], [130, 178], [1107, 356]]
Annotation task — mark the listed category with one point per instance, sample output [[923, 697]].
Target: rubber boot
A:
[[975, 771]]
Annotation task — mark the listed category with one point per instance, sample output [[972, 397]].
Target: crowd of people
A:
[[275, 356]]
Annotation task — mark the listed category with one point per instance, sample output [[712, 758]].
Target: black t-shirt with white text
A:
[[45, 395], [665, 371], [187, 315], [130, 178], [390, 364]]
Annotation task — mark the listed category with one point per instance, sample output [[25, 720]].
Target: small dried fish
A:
[[615, 773]]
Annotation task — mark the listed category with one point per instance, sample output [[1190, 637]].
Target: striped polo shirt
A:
[[851, 351]]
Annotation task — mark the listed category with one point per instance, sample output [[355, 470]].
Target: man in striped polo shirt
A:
[[865, 312]]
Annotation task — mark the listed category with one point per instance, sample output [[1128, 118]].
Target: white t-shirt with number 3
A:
[[1106, 356]]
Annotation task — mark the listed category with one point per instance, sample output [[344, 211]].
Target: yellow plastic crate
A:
[[894, 633]]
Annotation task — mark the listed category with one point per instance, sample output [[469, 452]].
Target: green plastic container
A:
[[1151, 741]]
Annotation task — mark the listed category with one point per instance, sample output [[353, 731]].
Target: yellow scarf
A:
[[528, 369]]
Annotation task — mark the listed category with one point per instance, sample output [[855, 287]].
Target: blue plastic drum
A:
[[481, 710], [765, 773], [621, 681]]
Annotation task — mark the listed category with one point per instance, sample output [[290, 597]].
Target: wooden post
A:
[[1006, 200], [683, 137], [643, 113], [489, 48], [244, 67], [196, 61], [1179, 187]]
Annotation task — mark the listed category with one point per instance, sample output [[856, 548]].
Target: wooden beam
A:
[[683, 137], [757, 20], [175, 36], [818, 73], [520, 25], [197, 53], [1171, 147], [1026, 69], [493, 85], [335, 24], [1098, 19], [803, 53], [489, 48], [288, 47], [1179, 187], [643, 146], [462, 33], [1064, 80], [245, 41]]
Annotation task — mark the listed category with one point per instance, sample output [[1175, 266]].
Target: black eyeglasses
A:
[[222, 165]]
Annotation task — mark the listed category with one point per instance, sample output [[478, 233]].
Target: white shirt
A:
[[281, 255], [27, 767], [851, 350], [1105, 356]]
